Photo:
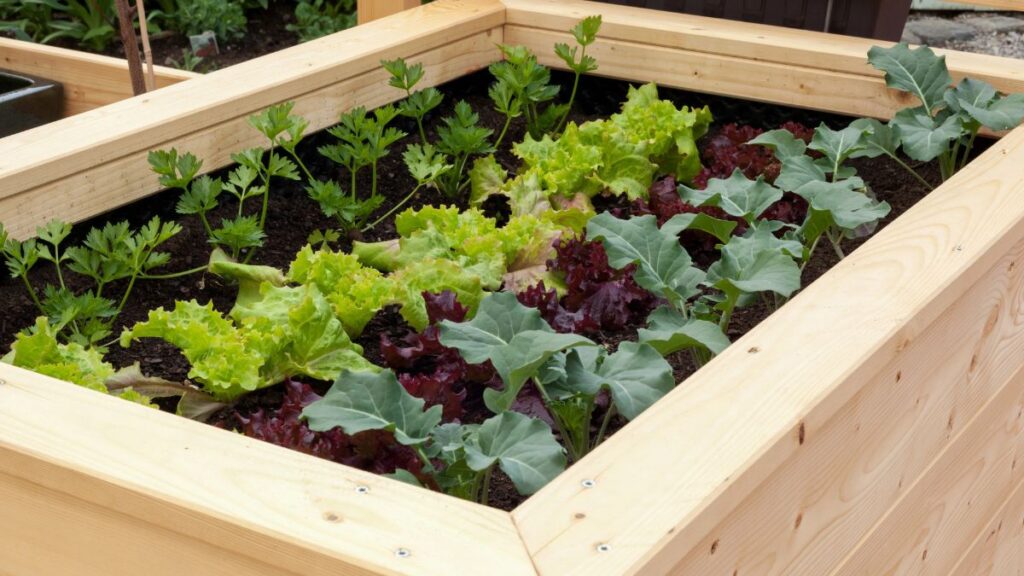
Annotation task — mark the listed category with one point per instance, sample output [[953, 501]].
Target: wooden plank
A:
[[159, 494], [738, 420], [129, 178], [936, 521], [852, 468], [90, 81], [1001, 4], [370, 10], [101, 136], [748, 41], [813, 88], [999, 549]]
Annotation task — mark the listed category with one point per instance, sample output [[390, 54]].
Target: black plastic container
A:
[[27, 102], [880, 19]]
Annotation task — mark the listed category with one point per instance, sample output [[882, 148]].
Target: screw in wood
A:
[[362, 489], [604, 547], [403, 553], [588, 483]]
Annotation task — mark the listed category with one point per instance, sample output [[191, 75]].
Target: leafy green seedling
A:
[[948, 120], [419, 103], [460, 458], [460, 138], [585, 33]]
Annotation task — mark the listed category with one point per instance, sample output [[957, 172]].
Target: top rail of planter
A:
[[90, 80]]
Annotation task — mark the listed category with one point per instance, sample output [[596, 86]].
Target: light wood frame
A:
[[874, 425], [90, 81]]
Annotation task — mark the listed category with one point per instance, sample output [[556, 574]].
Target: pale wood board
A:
[[211, 499], [936, 521], [748, 41], [858, 95], [129, 178], [853, 467], [999, 549], [98, 137], [1001, 4], [738, 420], [370, 10], [90, 81]]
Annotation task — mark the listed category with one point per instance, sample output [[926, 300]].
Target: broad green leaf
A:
[[360, 401], [923, 137], [1002, 114], [663, 265], [919, 72], [513, 337], [782, 142], [754, 264], [970, 92], [636, 375], [879, 139], [523, 447], [847, 207], [720, 229], [737, 195], [668, 332], [797, 171], [837, 145]]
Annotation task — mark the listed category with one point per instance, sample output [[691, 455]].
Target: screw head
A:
[[604, 547], [588, 483], [362, 489], [403, 553]]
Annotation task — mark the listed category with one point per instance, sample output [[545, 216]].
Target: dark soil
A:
[[293, 216]]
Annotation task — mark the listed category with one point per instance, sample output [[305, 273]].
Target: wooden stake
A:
[[140, 8], [131, 47]]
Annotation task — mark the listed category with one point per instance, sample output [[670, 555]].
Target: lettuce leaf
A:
[[621, 155], [289, 332], [356, 292], [37, 349]]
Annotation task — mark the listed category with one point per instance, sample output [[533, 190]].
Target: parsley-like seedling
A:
[[110, 254], [585, 34], [417, 104]]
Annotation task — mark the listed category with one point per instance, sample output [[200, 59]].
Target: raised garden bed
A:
[[89, 81], [804, 446]]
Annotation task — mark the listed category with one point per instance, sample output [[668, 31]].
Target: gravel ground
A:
[[996, 33], [1009, 44]]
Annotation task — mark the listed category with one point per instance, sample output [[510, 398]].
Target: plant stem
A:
[[354, 172], [836, 241], [173, 275], [127, 291], [309, 175], [504, 130], [604, 424], [486, 490], [572, 97], [206, 225], [393, 209], [967, 149], [31, 292], [912, 172], [423, 133], [373, 181]]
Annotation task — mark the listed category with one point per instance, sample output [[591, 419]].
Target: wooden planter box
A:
[[874, 425], [90, 81]]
